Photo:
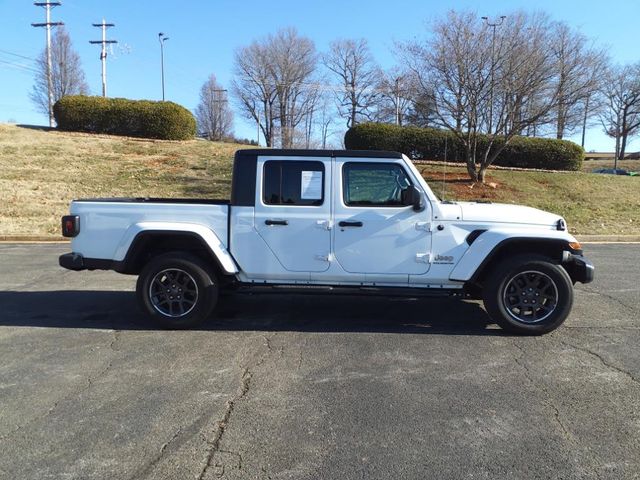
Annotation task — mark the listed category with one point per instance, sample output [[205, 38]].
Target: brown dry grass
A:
[[42, 171]]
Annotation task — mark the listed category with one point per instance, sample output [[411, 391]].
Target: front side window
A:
[[287, 182], [373, 184]]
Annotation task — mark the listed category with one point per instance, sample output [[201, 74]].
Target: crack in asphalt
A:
[[548, 400], [214, 444], [90, 380], [610, 297], [602, 360], [222, 424], [158, 457]]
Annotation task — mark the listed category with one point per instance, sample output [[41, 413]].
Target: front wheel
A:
[[176, 290], [528, 295]]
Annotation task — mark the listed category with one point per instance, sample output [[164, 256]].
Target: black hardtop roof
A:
[[283, 152]]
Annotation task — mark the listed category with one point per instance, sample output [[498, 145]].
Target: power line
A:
[[103, 53], [48, 24], [16, 54], [18, 66]]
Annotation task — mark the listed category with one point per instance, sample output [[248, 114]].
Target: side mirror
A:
[[411, 196]]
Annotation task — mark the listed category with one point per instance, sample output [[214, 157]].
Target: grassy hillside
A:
[[41, 171]]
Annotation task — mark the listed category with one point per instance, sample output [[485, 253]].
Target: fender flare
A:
[[489, 243], [203, 233]]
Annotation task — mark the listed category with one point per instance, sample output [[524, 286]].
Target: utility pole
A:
[[48, 24], [584, 120], [103, 52], [493, 47], [162, 38], [397, 100]]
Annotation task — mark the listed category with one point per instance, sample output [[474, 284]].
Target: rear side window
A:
[[288, 182], [373, 184]]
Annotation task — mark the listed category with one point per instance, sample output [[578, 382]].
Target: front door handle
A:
[[350, 224], [276, 222]]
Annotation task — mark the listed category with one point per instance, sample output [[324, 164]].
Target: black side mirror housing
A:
[[411, 196]]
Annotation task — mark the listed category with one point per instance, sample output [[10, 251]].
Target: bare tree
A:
[[67, 76], [580, 69], [402, 101], [620, 117], [215, 119], [395, 93], [274, 84], [293, 63], [352, 62], [473, 75], [254, 88]]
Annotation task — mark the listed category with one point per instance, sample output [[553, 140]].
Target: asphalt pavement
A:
[[302, 387]]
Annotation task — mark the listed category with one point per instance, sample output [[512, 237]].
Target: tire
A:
[[177, 290], [528, 295]]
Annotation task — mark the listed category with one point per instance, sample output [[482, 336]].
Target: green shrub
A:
[[119, 116], [430, 143]]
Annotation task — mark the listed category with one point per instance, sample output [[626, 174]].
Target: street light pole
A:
[[162, 38], [493, 47], [397, 92]]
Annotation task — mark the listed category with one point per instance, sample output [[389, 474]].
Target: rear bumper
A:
[[579, 268], [75, 261], [72, 261]]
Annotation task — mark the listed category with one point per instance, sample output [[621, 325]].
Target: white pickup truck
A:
[[354, 222]]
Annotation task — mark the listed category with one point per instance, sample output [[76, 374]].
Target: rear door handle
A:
[[276, 222], [349, 224]]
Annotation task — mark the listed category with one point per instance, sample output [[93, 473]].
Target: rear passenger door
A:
[[293, 211]]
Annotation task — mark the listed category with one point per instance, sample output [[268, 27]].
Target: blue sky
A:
[[204, 34]]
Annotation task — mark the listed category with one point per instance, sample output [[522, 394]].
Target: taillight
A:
[[70, 225]]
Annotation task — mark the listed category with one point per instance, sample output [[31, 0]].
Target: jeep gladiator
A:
[[334, 222]]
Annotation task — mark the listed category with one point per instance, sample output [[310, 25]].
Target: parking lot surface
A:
[[285, 387]]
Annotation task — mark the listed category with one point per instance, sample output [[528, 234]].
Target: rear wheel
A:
[[528, 295], [177, 290]]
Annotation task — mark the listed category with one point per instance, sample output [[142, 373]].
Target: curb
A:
[[608, 238], [32, 239]]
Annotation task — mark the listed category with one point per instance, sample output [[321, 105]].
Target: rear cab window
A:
[[288, 182]]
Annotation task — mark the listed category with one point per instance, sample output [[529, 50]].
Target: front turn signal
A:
[[575, 245]]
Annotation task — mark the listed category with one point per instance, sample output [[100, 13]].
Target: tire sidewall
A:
[[494, 298], [205, 281]]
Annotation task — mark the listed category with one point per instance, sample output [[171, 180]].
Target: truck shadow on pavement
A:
[[303, 313]]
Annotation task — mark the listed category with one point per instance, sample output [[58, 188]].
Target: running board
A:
[[251, 289]]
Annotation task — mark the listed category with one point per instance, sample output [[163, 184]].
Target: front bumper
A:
[[579, 268]]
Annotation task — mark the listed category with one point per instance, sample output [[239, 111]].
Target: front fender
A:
[[207, 235], [488, 242]]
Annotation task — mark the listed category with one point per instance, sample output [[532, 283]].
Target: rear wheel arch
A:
[[149, 244]]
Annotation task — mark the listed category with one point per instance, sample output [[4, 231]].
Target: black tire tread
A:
[[202, 274], [492, 293]]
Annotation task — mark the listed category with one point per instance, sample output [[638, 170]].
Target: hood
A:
[[504, 213]]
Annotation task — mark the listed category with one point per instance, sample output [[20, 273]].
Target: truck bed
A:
[[195, 201], [109, 225]]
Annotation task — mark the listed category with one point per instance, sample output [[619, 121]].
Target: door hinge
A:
[[324, 224], [426, 226], [423, 258], [324, 258]]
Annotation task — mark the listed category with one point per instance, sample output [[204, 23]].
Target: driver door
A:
[[374, 232]]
